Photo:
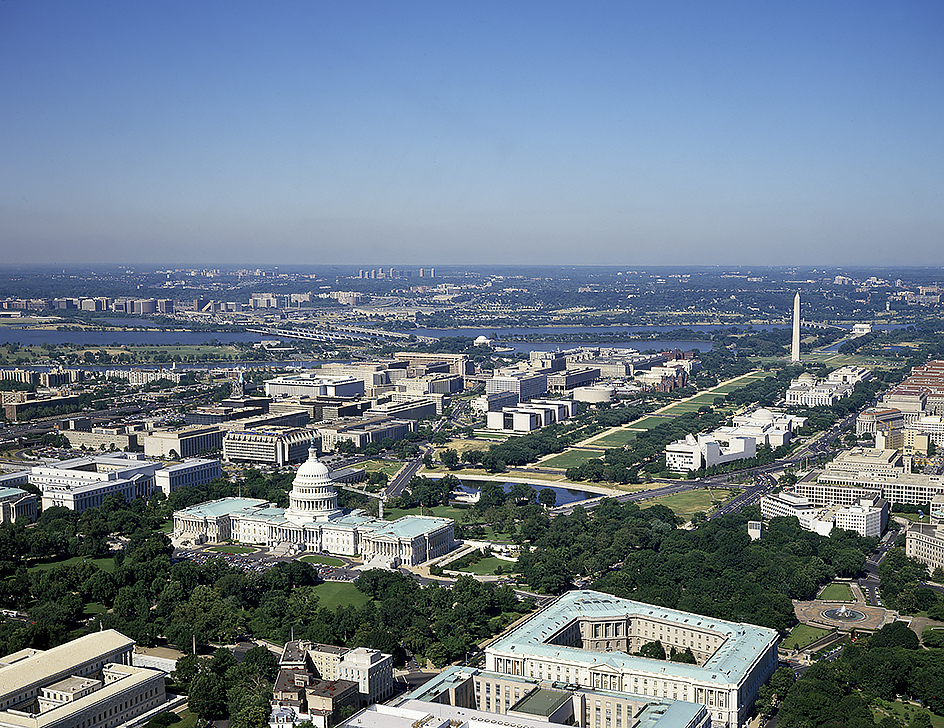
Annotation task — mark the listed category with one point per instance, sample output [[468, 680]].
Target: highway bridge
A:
[[337, 334]]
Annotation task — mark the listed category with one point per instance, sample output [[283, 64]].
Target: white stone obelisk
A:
[[795, 348]]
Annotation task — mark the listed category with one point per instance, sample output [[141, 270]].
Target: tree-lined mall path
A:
[[719, 390]]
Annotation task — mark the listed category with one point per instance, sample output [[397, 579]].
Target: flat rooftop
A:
[[542, 702], [743, 644]]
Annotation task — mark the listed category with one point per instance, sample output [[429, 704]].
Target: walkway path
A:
[[660, 412]]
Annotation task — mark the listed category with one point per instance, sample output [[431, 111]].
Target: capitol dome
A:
[[312, 497], [313, 469]]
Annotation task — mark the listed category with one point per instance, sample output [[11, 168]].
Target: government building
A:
[[584, 639], [86, 683], [313, 522]]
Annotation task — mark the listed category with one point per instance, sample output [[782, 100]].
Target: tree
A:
[[521, 491], [547, 497], [206, 696], [491, 495], [262, 661], [449, 458], [251, 717], [896, 634], [653, 650], [186, 669]]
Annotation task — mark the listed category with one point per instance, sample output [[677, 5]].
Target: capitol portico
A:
[[313, 522]]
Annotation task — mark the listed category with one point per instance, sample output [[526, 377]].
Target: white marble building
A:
[[314, 522]]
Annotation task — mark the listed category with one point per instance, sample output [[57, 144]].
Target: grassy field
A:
[[570, 458], [615, 439], [836, 593], [803, 635], [687, 504], [93, 608], [491, 435], [692, 405], [747, 379], [487, 566], [647, 423], [334, 594], [461, 446], [106, 564], [904, 712], [389, 467], [187, 719], [232, 549], [318, 559]]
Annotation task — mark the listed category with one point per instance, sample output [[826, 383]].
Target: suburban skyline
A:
[[487, 133]]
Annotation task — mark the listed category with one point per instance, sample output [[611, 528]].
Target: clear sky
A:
[[357, 132]]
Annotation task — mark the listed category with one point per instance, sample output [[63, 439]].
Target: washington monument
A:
[[795, 348]]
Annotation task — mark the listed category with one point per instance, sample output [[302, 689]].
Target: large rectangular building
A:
[[869, 473], [363, 431], [524, 384], [585, 638], [458, 363], [184, 442], [271, 446], [86, 683], [83, 483], [313, 384]]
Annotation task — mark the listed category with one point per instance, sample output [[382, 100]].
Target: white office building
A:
[[269, 445], [867, 516], [89, 682], [82, 483], [585, 638], [312, 384], [525, 384]]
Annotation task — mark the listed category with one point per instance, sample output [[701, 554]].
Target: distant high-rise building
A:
[[795, 348]]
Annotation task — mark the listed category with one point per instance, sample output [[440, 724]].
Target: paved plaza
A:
[[857, 615]]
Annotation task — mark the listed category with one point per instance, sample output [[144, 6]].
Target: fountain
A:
[[843, 614]]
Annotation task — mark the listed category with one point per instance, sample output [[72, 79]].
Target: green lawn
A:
[[687, 504], [723, 389], [391, 468], [904, 712], [647, 423], [837, 593], [615, 439], [487, 566], [167, 527], [318, 559], [93, 608], [692, 405], [232, 549], [187, 719], [803, 635], [106, 564], [334, 594], [570, 458]]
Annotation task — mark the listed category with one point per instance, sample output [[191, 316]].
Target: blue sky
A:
[[400, 133]]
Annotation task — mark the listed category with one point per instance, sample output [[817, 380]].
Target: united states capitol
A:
[[314, 522]]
